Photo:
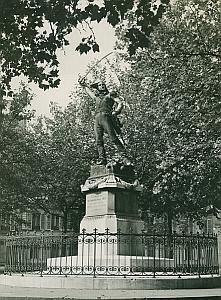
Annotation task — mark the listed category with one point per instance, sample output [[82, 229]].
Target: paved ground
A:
[[19, 293]]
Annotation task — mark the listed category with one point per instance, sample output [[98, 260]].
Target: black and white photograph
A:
[[110, 149]]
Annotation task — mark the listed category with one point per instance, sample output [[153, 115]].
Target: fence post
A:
[[95, 243], [154, 254], [42, 254], [8, 248], [173, 252], [106, 248], [218, 245], [82, 250], [215, 253], [143, 250], [198, 254]]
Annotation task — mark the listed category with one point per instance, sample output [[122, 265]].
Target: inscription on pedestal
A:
[[96, 204]]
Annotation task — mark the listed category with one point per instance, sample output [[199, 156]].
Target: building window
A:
[[36, 222], [55, 222], [48, 222], [43, 222], [209, 226], [27, 225], [12, 224], [5, 222]]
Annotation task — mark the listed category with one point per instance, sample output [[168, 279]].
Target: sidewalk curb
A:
[[13, 293]]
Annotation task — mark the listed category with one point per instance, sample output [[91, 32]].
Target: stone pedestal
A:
[[111, 240], [111, 203]]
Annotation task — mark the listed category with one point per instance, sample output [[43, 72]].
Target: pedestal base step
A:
[[115, 285], [111, 265]]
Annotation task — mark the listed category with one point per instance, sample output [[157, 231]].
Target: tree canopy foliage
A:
[[173, 89], [44, 163], [65, 150], [171, 124], [33, 30], [16, 180]]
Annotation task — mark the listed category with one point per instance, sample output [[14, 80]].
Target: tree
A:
[[15, 153], [175, 102], [35, 30], [64, 150]]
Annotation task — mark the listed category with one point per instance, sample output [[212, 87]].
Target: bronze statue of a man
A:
[[108, 106]]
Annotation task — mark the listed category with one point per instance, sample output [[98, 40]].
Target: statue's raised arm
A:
[[87, 89]]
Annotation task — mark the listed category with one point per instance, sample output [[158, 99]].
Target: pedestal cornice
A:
[[103, 177], [109, 181]]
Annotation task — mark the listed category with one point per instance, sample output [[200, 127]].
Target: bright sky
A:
[[71, 64]]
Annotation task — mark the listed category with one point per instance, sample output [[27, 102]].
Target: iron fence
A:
[[112, 254]]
